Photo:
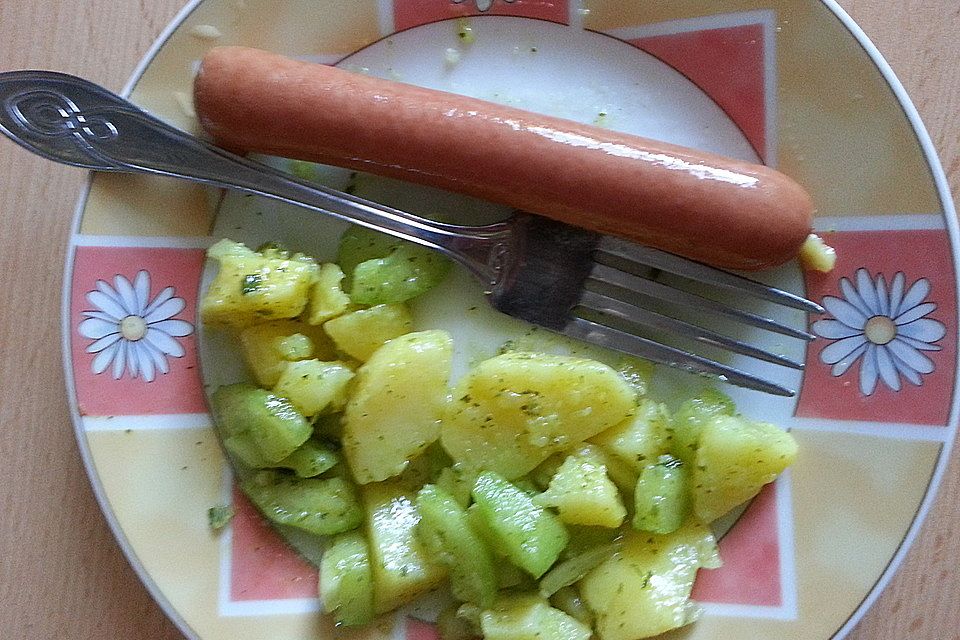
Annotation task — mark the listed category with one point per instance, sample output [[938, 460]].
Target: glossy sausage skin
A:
[[724, 212]]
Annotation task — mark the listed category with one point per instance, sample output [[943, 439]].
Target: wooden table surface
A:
[[62, 575]]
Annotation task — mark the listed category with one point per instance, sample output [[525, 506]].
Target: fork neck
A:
[[178, 154], [480, 249]]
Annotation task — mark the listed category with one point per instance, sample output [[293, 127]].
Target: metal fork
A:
[[575, 282]]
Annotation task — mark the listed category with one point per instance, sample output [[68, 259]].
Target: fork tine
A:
[[692, 301], [596, 333], [702, 273], [607, 305]]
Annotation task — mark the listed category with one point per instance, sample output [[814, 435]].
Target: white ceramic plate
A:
[[792, 83]]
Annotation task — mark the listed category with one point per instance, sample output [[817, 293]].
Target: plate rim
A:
[[951, 222], [83, 444], [953, 232]]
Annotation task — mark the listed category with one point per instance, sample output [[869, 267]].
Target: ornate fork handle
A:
[[47, 113], [73, 121]]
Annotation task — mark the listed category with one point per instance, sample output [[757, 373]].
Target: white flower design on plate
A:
[[132, 332], [885, 326], [483, 5]]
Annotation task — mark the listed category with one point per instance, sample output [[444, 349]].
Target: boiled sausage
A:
[[717, 210]]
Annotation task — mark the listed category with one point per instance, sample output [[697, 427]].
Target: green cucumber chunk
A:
[[531, 536], [256, 426], [569, 601], [452, 624], [311, 459], [383, 270], [662, 498], [324, 506], [509, 575], [346, 580], [583, 539], [447, 535], [457, 482], [690, 418], [359, 244], [402, 567], [574, 569], [220, 516]]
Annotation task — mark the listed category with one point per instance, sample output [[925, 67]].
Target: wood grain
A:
[[61, 572], [918, 39]]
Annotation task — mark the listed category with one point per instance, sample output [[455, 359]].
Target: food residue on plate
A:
[[185, 102], [817, 255], [206, 32], [465, 31], [451, 56]]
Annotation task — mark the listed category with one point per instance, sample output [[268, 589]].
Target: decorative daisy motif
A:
[[483, 5], [885, 326], [131, 332]]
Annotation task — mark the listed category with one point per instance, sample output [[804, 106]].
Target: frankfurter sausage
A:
[[703, 206]]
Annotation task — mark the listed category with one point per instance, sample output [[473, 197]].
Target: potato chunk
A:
[[267, 348], [817, 255], [359, 333], [530, 617], [735, 458], [327, 299], [312, 385], [690, 418], [644, 589], [253, 287], [394, 412], [639, 439], [513, 411], [584, 494]]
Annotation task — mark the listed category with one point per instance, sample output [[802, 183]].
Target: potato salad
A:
[[549, 496]]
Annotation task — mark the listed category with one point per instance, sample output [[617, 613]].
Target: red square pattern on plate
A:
[[412, 13], [750, 551], [728, 65], [420, 630], [911, 348], [155, 292], [262, 565]]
